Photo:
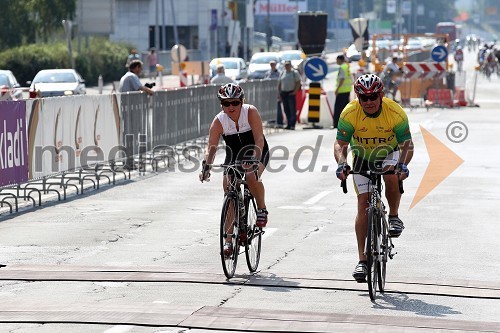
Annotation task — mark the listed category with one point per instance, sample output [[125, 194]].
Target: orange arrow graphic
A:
[[442, 163]]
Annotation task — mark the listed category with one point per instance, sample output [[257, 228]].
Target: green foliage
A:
[[22, 21], [102, 57]]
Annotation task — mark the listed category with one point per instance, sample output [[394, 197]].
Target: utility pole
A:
[[163, 23], [223, 35], [157, 25], [68, 25], [268, 31]]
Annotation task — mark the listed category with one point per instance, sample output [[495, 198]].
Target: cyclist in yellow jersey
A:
[[377, 130]]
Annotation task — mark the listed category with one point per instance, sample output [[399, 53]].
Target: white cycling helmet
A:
[[230, 91]]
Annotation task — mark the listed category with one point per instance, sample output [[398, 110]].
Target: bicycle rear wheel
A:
[[253, 242], [229, 234], [371, 254], [384, 255]]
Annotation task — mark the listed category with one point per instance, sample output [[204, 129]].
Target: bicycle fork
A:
[[390, 246]]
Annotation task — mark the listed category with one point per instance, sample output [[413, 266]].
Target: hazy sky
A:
[[464, 4]]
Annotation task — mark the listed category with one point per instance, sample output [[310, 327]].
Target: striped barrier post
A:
[[314, 102]]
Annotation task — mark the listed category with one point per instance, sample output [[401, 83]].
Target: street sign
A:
[[315, 69], [439, 53], [178, 51]]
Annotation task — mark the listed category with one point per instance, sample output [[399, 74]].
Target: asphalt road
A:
[[143, 256]]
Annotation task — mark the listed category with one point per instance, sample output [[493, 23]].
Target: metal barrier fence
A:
[[184, 114], [76, 139]]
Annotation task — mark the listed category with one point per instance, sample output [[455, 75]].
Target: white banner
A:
[[68, 132], [391, 6], [280, 7]]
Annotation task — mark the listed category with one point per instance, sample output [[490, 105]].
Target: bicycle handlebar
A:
[[369, 174], [236, 164]]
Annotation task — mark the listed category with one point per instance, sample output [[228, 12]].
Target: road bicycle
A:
[[238, 219], [378, 244]]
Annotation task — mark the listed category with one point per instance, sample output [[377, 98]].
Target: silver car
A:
[[235, 68], [58, 82], [10, 81], [259, 64]]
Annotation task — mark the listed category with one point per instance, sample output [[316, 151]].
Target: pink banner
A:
[[13, 143]]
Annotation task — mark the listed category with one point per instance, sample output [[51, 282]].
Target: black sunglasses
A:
[[233, 103], [365, 98]]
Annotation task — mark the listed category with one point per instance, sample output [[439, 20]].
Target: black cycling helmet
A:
[[368, 84], [230, 91]]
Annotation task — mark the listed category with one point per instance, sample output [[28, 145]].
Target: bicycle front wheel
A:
[[372, 253], [384, 255], [229, 235], [253, 242]]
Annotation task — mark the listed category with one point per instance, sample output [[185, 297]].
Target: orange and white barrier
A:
[[423, 70], [183, 78]]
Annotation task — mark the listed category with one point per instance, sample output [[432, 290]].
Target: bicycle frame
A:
[[378, 245], [241, 231]]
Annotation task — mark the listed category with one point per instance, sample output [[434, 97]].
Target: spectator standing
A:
[[152, 61], [241, 50], [274, 74], [220, 76], [288, 86], [130, 81], [131, 57], [343, 91]]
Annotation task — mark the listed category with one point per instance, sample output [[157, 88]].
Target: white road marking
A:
[[119, 329], [317, 198], [268, 232], [303, 207]]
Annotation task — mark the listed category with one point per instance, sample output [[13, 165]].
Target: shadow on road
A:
[[402, 302], [272, 282]]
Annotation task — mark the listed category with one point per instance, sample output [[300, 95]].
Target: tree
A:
[[23, 21]]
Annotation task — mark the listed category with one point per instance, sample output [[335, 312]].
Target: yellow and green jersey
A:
[[372, 138]]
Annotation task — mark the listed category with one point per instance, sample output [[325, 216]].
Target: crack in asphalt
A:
[[280, 258], [233, 295]]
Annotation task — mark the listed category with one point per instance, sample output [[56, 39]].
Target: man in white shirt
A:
[[130, 81], [220, 76]]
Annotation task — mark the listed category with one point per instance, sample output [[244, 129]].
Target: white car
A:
[[58, 82], [259, 64], [235, 68], [10, 83], [295, 56]]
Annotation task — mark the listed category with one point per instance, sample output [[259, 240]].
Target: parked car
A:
[[235, 68], [58, 82], [260, 42], [259, 64], [295, 56], [12, 84]]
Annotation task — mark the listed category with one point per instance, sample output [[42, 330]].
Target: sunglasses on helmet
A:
[[233, 103], [365, 98]]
